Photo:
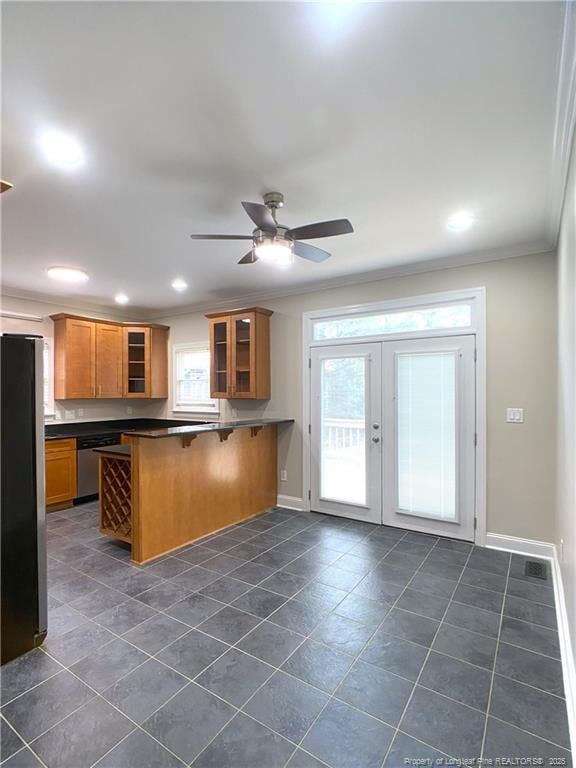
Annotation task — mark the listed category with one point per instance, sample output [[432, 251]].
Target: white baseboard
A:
[[521, 546], [291, 502], [566, 648], [547, 550]]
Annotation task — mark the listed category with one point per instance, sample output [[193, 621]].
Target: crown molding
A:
[[413, 268], [64, 304], [141, 314], [564, 121]]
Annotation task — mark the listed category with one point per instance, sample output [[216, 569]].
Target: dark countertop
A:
[[125, 450], [112, 426], [219, 426]]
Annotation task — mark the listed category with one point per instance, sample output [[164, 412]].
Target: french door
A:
[[392, 433], [346, 390]]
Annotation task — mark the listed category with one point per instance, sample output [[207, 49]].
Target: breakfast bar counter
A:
[[165, 488]]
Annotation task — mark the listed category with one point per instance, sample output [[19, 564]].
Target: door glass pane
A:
[[243, 326], [221, 356], [426, 447], [343, 429]]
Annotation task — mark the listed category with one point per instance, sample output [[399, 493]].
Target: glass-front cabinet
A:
[[240, 354], [145, 361]]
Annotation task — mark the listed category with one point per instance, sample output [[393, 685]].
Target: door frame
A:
[[476, 298]]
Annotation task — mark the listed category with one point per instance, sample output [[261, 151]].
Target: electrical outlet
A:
[[129, 410], [515, 415], [80, 412], [69, 414], [283, 475]]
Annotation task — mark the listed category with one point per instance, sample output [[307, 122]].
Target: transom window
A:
[[400, 321]]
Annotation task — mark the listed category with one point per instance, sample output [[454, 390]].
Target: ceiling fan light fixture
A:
[[276, 252]]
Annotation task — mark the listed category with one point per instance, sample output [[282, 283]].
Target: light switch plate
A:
[[283, 475], [515, 415]]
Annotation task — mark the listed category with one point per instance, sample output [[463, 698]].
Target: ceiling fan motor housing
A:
[[281, 236], [273, 200]]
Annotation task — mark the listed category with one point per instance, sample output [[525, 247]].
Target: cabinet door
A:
[[80, 350], [220, 382], [243, 355], [136, 362], [60, 474], [108, 360]]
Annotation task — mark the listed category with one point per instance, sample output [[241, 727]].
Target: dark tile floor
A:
[[294, 640]]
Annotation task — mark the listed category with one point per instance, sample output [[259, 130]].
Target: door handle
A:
[[375, 426], [376, 439]]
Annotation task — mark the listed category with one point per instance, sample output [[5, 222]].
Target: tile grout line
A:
[[138, 726], [252, 586], [401, 718], [331, 696], [279, 669], [493, 675], [340, 556], [275, 669]]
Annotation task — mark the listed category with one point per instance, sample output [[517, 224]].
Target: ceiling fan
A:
[[276, 243]]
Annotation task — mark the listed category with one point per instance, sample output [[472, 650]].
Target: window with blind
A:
[[192, 378], [48, 379]]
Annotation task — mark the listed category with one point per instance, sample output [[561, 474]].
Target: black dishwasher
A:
[[87, 466]]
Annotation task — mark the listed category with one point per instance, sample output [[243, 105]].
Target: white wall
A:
[[521, 371], [566, 514]]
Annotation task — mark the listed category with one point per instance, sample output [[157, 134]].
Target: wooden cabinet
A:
[[74, 358], [145, 355], [60, 458], [102, 359], [240, 354], [108, 360]]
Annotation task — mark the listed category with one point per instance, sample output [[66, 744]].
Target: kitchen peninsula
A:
[[164, 488]]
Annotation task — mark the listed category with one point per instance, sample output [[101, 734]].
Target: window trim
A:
[[477, 297], [194, 346], [392, 306], [49, 405]]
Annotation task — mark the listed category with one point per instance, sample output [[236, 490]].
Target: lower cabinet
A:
[[60, 458]]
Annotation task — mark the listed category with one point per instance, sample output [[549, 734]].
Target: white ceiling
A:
[[392, 114]]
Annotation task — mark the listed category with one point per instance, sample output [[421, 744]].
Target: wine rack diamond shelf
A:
[[116, 496]]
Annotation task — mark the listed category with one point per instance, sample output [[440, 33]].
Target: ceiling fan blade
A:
[[261, 216], [322, 229], [221, 237], [310, 252], [250, 258]]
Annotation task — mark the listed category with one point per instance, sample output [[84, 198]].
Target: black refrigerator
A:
[[23, 544]]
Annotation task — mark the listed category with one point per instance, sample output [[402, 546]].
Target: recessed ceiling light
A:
[[460, 221], [179, 284], [67, 274], [61, 149], [121, 298]]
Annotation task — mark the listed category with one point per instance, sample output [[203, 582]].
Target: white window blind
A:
[[47, 378], [192, 378]]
